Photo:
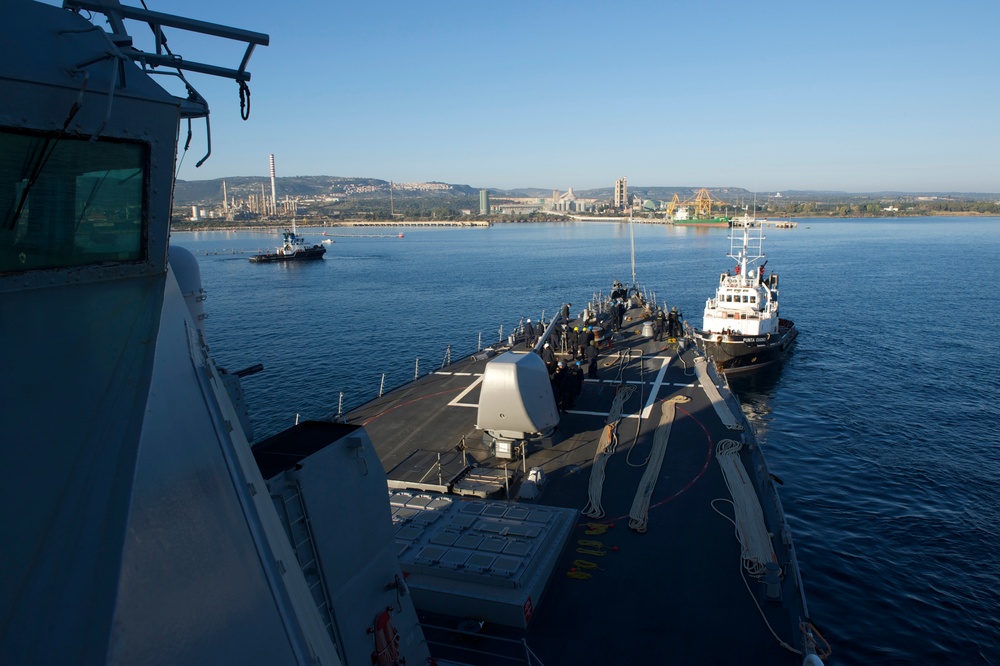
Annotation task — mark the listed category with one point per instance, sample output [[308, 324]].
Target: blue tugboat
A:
[[293, 248]]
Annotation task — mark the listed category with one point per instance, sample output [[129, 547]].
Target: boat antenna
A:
[[631, 235]]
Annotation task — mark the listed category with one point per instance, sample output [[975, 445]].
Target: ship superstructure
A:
[[140, 527]]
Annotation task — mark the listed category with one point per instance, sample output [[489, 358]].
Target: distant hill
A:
[[188, 192], [200, 192]]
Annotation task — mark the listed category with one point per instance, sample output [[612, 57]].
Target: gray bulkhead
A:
[[138, 527]]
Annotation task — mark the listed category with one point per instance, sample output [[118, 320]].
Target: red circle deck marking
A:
[[410, 402]]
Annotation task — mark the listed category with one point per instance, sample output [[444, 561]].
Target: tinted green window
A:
[[69, 202]]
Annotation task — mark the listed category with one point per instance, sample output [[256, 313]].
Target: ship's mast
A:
[[748, 250], [743, 253], [631, 235]]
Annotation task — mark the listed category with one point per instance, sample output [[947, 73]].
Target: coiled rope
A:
[[639, 515], [605, 449], [751, 530], [712, 391], [688, 370], [577, 571]]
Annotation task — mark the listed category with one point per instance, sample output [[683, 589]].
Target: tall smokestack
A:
[[274, 199], [225, 200]]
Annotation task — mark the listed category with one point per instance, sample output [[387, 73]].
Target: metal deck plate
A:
[[461, 555], [428, 470]]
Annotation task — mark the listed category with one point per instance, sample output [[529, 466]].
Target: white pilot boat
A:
[[742, 329]]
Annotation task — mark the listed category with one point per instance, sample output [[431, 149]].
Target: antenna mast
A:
[[631, 236]]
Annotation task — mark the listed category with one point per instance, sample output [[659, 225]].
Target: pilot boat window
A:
[[729, 298], [753, 299], [746, 299], [69, 201]]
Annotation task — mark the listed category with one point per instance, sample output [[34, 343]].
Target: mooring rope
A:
[[712, 391], [639, 515], [751, 530], [605, 449]]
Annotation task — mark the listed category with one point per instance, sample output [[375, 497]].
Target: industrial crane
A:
[[702, 203]]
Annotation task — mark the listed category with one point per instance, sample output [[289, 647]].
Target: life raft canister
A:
[[386, 640]]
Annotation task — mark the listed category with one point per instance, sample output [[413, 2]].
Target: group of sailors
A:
[[580, 341], [567, 338], [583, 348], [667, 324], [567, 383]]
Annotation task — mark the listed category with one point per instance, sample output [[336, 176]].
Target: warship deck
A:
[[673, 593]]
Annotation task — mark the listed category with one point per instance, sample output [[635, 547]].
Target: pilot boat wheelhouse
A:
[[742, 329]]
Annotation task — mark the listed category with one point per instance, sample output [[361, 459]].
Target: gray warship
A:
[[465, 518]]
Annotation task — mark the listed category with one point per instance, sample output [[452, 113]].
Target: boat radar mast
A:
[[631, 236]]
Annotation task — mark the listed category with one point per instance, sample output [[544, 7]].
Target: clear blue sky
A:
[[844, 95]]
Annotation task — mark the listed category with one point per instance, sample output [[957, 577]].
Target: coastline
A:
[[277, 225]]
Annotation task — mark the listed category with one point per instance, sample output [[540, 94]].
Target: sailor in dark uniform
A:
[[539, 330], [558, 379], [591, 354], [575, 382], [674, 321], [659, 323], [566, 388], [586, 337], [573, 340], [565, 312], [618, 290], [529, 334], [549, 357]]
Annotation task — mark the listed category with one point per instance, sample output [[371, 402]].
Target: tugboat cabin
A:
[[743, 306]]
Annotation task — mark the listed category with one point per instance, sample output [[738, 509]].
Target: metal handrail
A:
[[157, 20]]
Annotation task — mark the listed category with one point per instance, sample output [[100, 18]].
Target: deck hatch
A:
[[518, 548], [494, 510], [472, 507], [493, 544], [430, 555], [463, 522], [409, 533], [400, 499], [403, 515], [454, 558], [479, 562], [444, 539], [505, 566]]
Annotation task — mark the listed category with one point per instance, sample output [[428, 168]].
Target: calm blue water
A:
[[883, 422]]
